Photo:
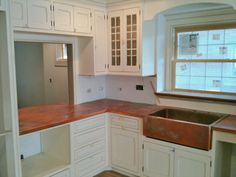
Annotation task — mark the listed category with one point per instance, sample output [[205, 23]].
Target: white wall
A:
[[124, 88], [56, 92], [91, 88], [29, 73]]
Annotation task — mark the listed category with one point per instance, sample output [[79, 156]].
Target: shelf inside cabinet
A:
[[54, 155]]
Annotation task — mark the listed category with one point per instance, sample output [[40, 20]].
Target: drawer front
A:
[[65, 173], [90, 164], [89, 137], [87, 124], [124, 122], [89, 149]]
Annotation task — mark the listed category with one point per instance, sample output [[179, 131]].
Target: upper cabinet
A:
[[124, 37], [126, 41], [51, 17], [20, 13], [1, 4], [39, 14], [82, 22], [63, 17]]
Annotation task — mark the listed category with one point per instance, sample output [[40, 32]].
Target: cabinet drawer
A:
[[90, 164], [88, 138], [65, 173], [92, 123], [89, 149], [124, 122]]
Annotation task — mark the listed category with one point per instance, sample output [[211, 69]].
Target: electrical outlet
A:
[[139, 87]]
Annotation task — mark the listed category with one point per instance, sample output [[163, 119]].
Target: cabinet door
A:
[[19, 13], [191, 165], [100, 36], [158, 160], [132, 27], [63, 16], [116, 43], [1, 5], [39, 14], [124, 149], [82, 20]]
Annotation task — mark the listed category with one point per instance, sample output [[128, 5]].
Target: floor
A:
[[110, 174]]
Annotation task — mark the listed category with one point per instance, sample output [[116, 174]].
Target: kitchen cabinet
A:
[[169, 160], [124, 37], [63, 17], [158, 160], [64, 173], [1, 5], [20, 13], [39, 14], [89, 146], [82, 20], [100, 41], [125, 144]]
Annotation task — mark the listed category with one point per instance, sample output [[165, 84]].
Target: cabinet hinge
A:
[[143, 146], [107, 17], [91, 15], [142, 168], [91, 28], [53, 8], [139, 12], [105, 66], [139, 67], [108, 66], [51, 23], [210, 163]]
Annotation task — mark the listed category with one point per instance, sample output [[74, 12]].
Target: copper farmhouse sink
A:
[[186, 127]]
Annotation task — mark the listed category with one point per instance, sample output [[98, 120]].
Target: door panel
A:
[[19, 13], [82, 20]]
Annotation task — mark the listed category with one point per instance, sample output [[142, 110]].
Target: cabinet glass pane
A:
[[117, 21], [129, 20], [118, 44], [134, 44], [113, 37], [113, 30], [117, 29], [113, 61], [134, 52], [129, 60], [128, 35], [134, 61], [113, 52], [134, 28], [134, 19], [118, 61], [118, 36], [128, 44], [128, 52], [113, 22], [113, 45], [118, 52], [128, 28], [134, 35]]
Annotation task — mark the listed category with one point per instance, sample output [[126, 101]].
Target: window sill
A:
[[197, 96]]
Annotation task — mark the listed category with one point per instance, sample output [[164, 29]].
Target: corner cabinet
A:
[[163, 159], [124, 37]]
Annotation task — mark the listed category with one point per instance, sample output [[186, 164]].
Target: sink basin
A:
[[181, 126]]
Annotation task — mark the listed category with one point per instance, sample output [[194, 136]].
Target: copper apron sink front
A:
[[186, 127]]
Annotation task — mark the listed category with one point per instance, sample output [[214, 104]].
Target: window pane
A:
[[213, 83], [214, 69], [216, 52], [197, 83], [182, 69], [216, 37], [182, 82], [229, 70], [198, 69], [202, 37], [229, 85], [230, 36], [230, 51]]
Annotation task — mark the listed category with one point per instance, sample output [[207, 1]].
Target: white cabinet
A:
[[20, 13], [125, 143], [89, 146], [124, 37], [191, 165], [158, 160], [100, 42], [39, 14], [63, 17], [82, 20], [163, 159], [124, 149]]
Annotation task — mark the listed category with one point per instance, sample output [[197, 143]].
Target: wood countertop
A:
[[37, 118], [227, 125]]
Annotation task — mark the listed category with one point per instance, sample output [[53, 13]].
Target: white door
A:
[[158, 160], [39, 14], [100, 36], [63, 16], [116, 41], [19, 13], [191, 165], [131, 36], [124, 149], [82, 20]]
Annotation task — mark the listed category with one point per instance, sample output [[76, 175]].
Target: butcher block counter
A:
[[37, 118]]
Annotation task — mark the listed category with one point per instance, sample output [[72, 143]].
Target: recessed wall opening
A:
[[44, 73]]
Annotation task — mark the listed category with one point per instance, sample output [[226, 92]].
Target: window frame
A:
[[61, 61], [174, 61]]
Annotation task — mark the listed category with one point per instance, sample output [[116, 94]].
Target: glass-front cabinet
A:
[[124, 40]]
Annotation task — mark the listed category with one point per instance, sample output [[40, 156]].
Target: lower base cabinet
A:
[[65, 173], [169, 161]]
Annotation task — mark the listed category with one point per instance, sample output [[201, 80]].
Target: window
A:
[[61, 55], [205, 59]]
